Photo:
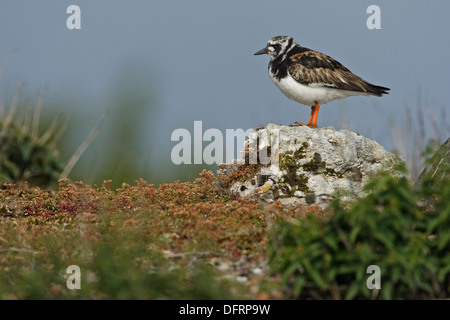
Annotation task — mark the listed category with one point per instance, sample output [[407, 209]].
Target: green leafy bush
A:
[[24, 158], [402, 230], [28, 153]]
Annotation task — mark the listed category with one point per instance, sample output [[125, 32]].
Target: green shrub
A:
[[112, 273], [404, 231], [24, 158], [27, 153]]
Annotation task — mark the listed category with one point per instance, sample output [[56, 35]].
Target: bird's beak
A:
[[262, 51]]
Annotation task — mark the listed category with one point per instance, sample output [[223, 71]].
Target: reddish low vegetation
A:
[[180, 217]]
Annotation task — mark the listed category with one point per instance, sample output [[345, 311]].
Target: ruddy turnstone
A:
[[312, 78]]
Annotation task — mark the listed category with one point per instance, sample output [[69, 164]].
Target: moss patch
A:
[[333, 173], [315, 165], [289, 164]]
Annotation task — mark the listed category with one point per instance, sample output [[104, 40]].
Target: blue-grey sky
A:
[[196, 57]]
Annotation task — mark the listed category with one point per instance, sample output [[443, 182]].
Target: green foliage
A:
[[404, 231], [108, 271], [24, 158]]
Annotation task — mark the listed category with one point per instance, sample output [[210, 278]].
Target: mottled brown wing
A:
[[317, 69]]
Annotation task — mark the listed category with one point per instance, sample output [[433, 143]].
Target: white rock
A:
[[310, 165]]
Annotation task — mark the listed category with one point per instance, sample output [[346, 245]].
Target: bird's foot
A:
[[311, 125]]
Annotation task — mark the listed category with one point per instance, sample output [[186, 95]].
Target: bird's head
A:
[[277, 46]]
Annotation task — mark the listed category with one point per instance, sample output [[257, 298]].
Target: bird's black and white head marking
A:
[[277, 46]]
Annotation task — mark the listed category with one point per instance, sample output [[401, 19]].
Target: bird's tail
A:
[[376, 90]]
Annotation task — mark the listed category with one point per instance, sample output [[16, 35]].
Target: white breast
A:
[[309, 94]]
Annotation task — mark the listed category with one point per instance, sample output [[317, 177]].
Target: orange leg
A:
[[312, 123], [316, 113]]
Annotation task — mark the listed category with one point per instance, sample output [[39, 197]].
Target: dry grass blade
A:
[[14, 105], [37, 114], [52, 130], [19, 250], [76, 156]]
